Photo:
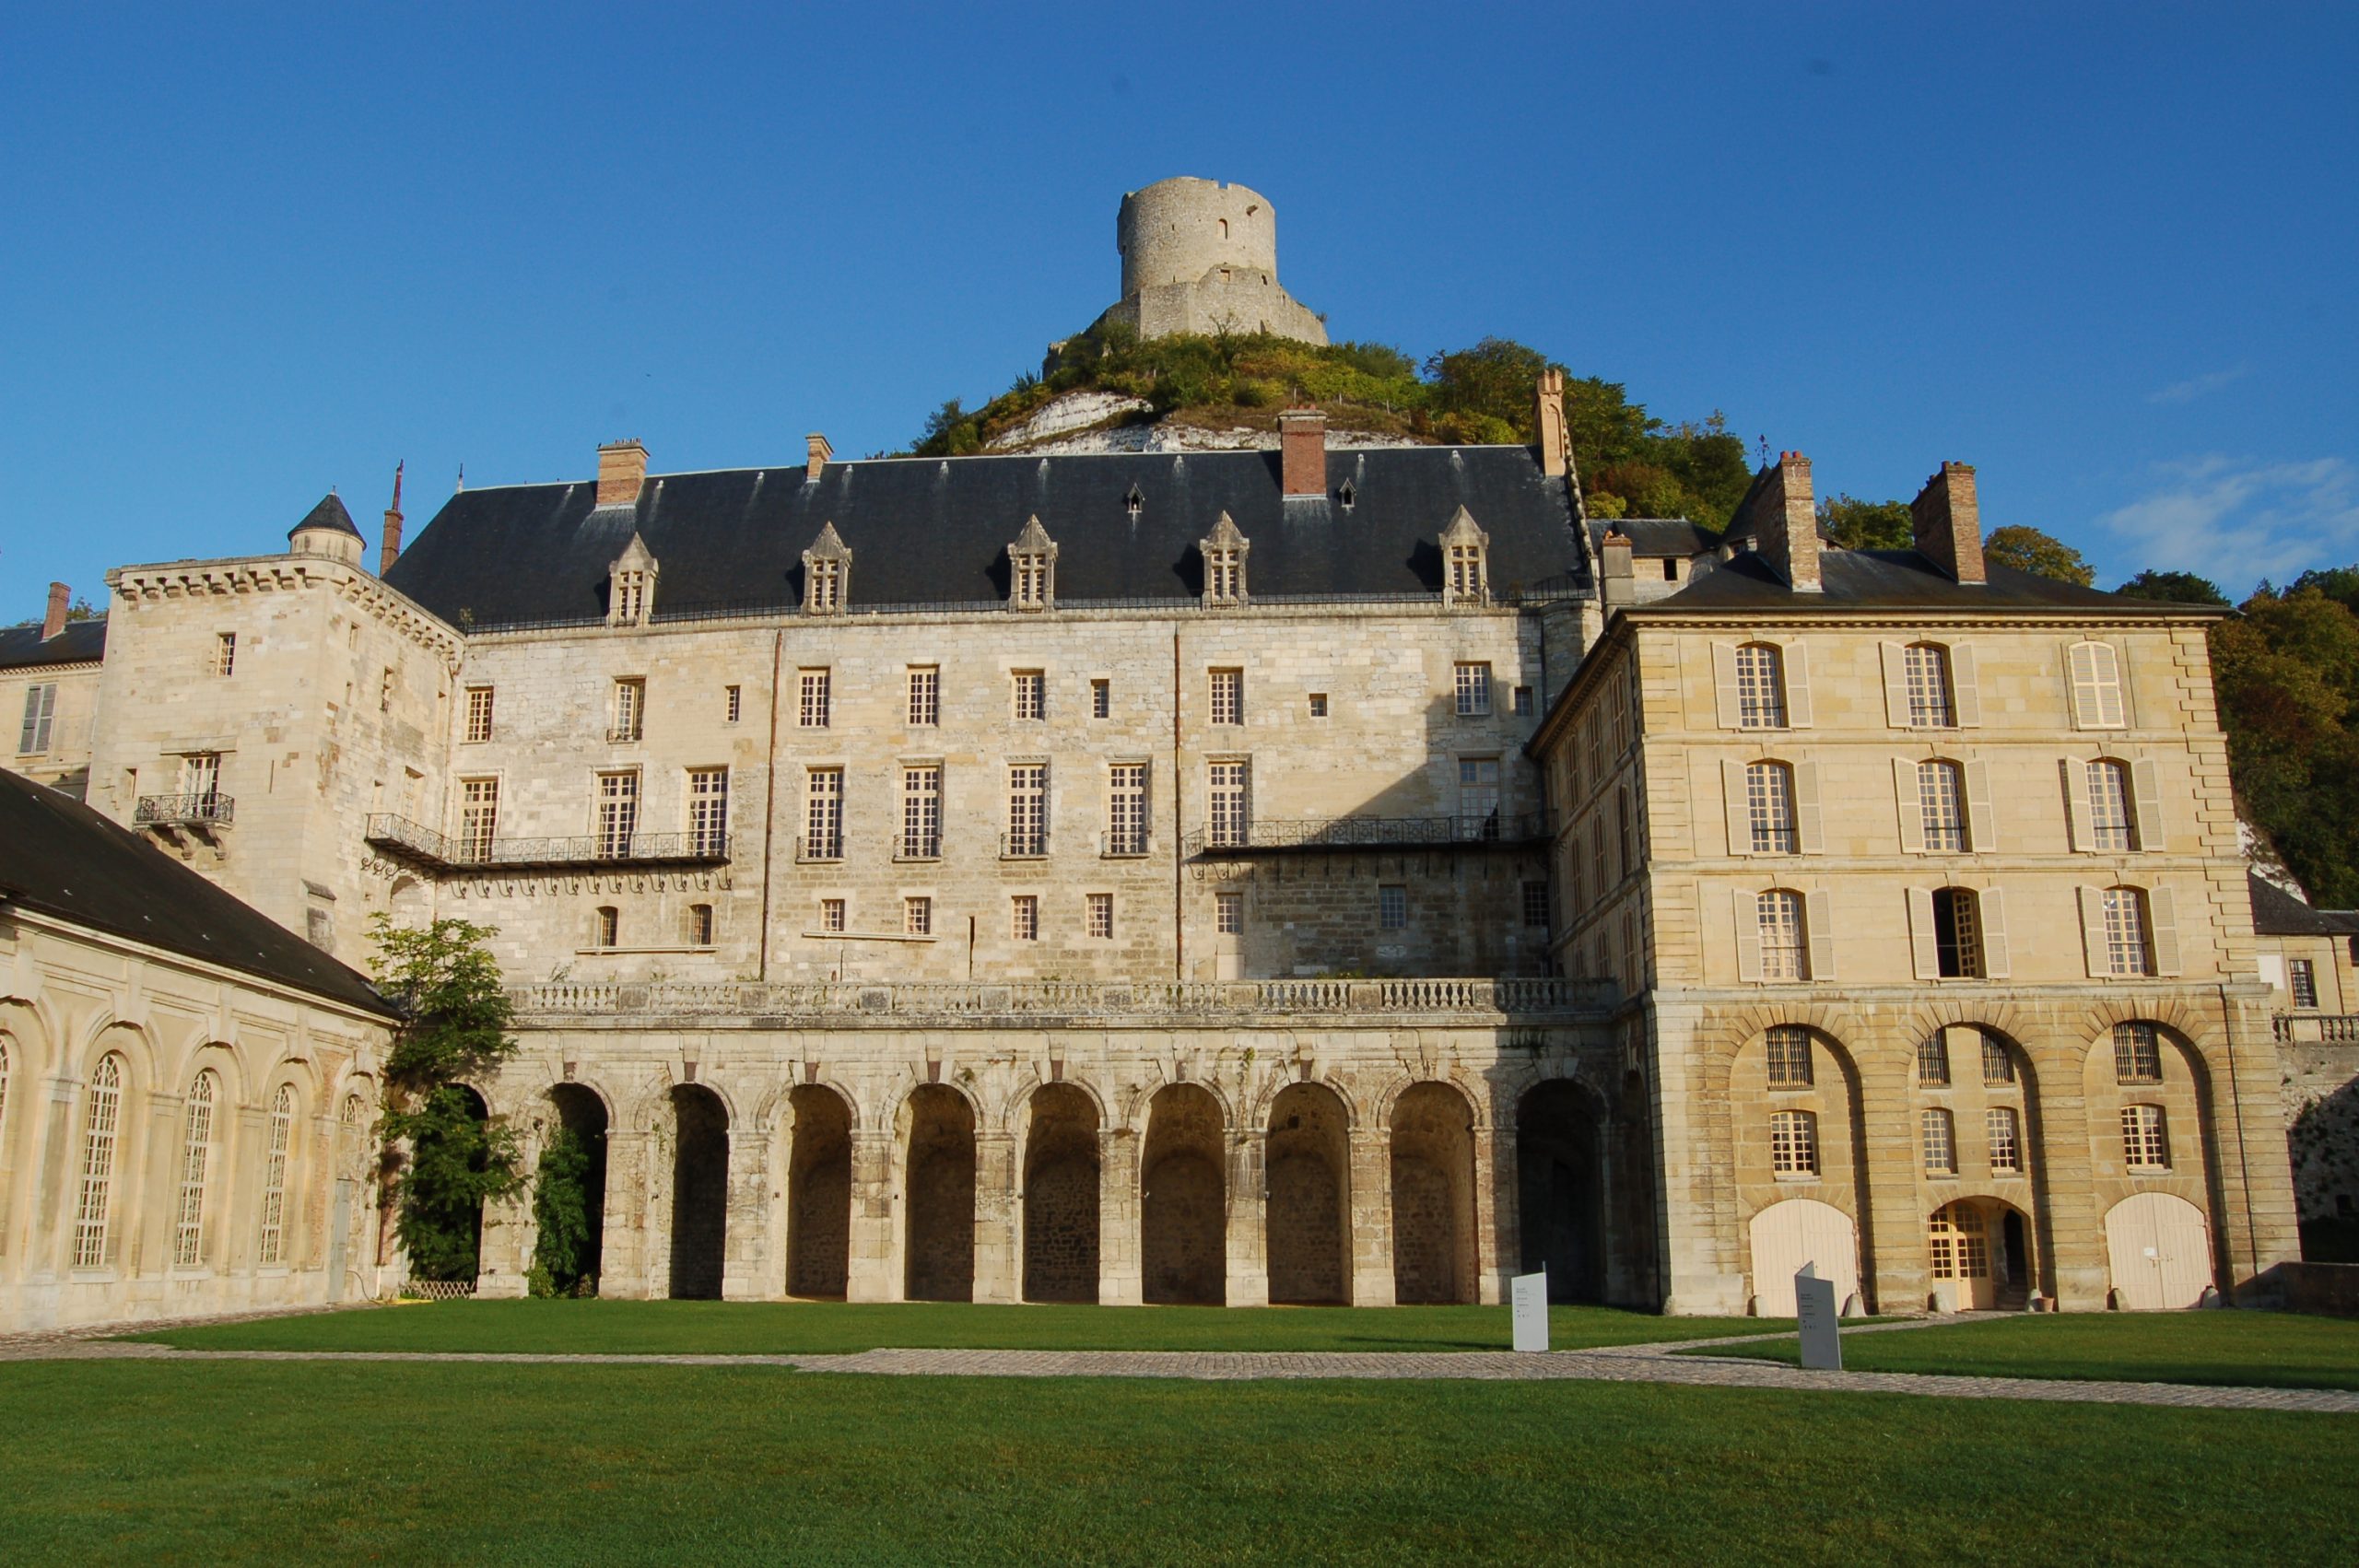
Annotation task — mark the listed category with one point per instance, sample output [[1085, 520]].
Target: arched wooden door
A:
[[1801, 1230], [2161, 1251]]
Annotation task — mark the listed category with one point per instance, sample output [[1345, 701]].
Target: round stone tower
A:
[[1201, 256]]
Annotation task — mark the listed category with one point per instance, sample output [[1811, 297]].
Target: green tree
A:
[[2043, 554], [2287, 672], [561, 1212], [2172, 588], [1856, 524], [454, 1029], [1492, 382], [2338, 584]]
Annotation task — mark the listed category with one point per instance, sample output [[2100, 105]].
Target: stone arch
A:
[[1784, 1235], [1382, 1110], [1979, 1254], [1060, 1194], [2159, 1252], [1183, 1229], [1747, 1109], [699, 1192], [938, 1220], [818, 1191], [1561, 1183], [1434, 1250], [2182, 1089], [1308, 1167], [1972, 1095], [580, 1110]]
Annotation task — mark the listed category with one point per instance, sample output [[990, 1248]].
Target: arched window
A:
[[1788, 1053], [1940, 798], [102, 1111], [2113, 819], [1785, 946], [1769, 806], [1932, 702], [2006, 1132], [2097, 686], [274, 1175], [2145, 1139], [2129, 936], [1933, 1061], [2137, 1054], [196, 1153], [1998, 1065], [1957, 934], [1937, 1134], [1793, 1144], [1760, 687]]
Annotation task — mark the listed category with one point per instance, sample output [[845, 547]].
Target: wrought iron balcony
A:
[[1494, 830], [209, 808], [1123, 845], [1023, 844], [918, 847], [444, 851], [818, 846]]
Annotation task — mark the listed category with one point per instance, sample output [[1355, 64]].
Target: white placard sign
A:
[[1814, 1305], [1529, 1294]]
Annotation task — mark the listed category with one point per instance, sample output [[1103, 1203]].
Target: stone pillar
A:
[[1494, 1260], [153, 1195], [999, 1212], [875, 1270], [1248, 1195], [1120, 1281], [1371, 1217], [504, 1255], [2256, 1181], [2068, 1229], [1891, 1206], [623, 1235], [747, 1272], [1699, 1233]]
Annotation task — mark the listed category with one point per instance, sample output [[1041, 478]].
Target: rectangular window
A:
[[1933, 1061], [1028, 809], [1392, 908], [1126, 821], [1535, 906], [1793, 1144], [708, 810], [1788, 1053], [732, 705], [1101, 914], [386, 691], [41, 707], [1031, 694], [831, 914], [2006, 1138], [618, 815], [1319, 705], [1229, 806], [1941, 806], [225, 653], [2137, 1054], [1228, 697], [2097, 686], [1957, 935], [920, 812], [630, 711], [1929, 705], [1024, 918], [478, 713], [823, 815], [1769, 807], [1784, 953], [1998, 1067], [2112, 824], [1229, 914], [811, 714], [925, 696], [1760, 687], [699, 925], [478, 817], [917, 917], [606, 929], [1101, 699], [201, 774], [2145, 1143], [1478, 799], [1524, 702], [1473, 690], [2126, 948], [2304, 978], [826, 585], [1937, 1133]]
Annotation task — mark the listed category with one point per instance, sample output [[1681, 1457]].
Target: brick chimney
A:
[[820, 452], [1781, 513], [1949, 524], [391, 550], [1548, 423], [1302, 452], [53, 620], [1618, 583], [622, 468]]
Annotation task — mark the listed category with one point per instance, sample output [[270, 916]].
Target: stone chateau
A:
[[1298, 875]]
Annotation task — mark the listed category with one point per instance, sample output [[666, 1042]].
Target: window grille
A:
[[2127, 945], [2113, 823], [1940, 797], [1957, 934], [1228, 697], [708, 808], [2137, 1054], [1101, 914], [274, 1179], [1788, 1053], [225, 653], [1784, 954], [102, 1108], [1229, 806], [917, 917], [2096, 685], [1535, 906], [1760, 687], [631, 710], [480, 712], [1392, 908], [1793, 1144], [478, 817], [618, 815], [1998, 1062], [1938, 1136], [1126, 821], [2006, 1132], [1958, 1243], [1101, 699], [197, 1150], [921, 813], [1769, 806], [1229, 914], [1933, 1061], [1478, 797], [699, 925], [925, 696], [1473, 687], [41, 709], [823, 815], [1031, 694], [831, 914], [1028, 809], [1931, 703], [811, 714], [1024, 918], [2145, 1141], [733, 703], [2305, 981]]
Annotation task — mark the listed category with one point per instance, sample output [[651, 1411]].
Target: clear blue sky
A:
[[2104, 253]]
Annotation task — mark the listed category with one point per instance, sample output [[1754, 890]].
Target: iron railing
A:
[[208, 808], [445, 852], [1023, 844], [819, 848], [1124, 845], [918, 847], [1486, 999], [1489, 831]]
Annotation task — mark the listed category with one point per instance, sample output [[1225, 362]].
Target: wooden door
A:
[[2161, 1251], [1801, 1230]]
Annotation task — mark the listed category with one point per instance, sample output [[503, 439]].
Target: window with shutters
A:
[[1769, 807], [630, 711], [41, 710], [1028, 809], [196, 1154], [1932, 702], [1392, 907], [817, 685], [2303, 978], [1957, 934], [1230, 806], [618, 815], [1937, 1139], [1100, 910], [1760, 687], [1228, 696], [1030, 693], [1793, 1144], [1789, 1055], [1024, 916], [2096, 685], [2113, 823], [2003, 1129], [1998, 1062], [921, 813], [1785, 949], [479, 713], [823, 813], [831, 914], [917, 917], [708, 810], [1126, 819], [1473, 685], [2137, 1053], [2145, 1139], [1940, 800], [1229, 914], [2128, 938], [1933, 1061], [273, 1178], [607, 927], [925, 696], [102, 1116]]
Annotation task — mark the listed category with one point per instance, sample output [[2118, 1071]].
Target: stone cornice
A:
[[275, 574]]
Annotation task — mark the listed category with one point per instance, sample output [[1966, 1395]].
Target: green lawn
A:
[[2268, 1349], [163, 1462], [780, 1328]]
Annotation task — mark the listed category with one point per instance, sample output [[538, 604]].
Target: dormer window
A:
[[1135, 503], [631, 597], [1347, 494], [1224, 551], [827, 574], [1032, 569], [1465, 558]]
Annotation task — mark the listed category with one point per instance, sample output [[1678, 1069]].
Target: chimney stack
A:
[[1618, 583], [1302, 452], [1949, 524], [53, 621], [820, 452], [392, 549], [1548, 424], [622, 468], [1781, 513]]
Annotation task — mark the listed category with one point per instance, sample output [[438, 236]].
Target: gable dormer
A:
[[827, 574], [1032, 569], [630, 586], [1466, 561], [1224, 550]]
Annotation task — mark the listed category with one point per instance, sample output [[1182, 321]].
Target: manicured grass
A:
[[224, 1462], [2264, 1350], [693, 1327]]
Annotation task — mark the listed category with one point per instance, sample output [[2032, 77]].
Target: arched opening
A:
[[818, 1194], [569, 1195], [1310, 1163], [1978, 1256], [440, 1215], [940, 1262], [2160, 1252], [699, 1192], [1797, 1231], [1560, 1189], [1433, 1195], [1183, 1220], [1061, 1197]]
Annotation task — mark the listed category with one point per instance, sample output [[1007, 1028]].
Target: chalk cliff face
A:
[[1087, 422]]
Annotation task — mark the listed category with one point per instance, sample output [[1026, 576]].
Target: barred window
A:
[[1230, 806], [478, 817], [2137, 1054], [617, 813], [1760, 687], [273, 1178], [1473, 687], [1940, 796], [812, 713], [1790, 1063], [925, 696], [2006, 1132], [479, 713], [1931, 703], [1770, 805], [1793, 1144], [1937, 1134], [1933, 1061], [2127, 946], [708, 810], [2113, 823], [1229, 914], [920, 812], [102, 1111], [1392, 907], [2304, 978], [196, 1153], [1785, 951], [1024, 916], [2145, 1139], [1028, 809], [1101, 914], [1998, 1062], [1228, 696], [917, 917], [1126, 808], [1031, 694]]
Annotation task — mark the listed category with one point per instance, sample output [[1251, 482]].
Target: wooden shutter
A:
[[1965, 686], [1981, 821], [32, 721], [2080, 683], [1724, 685], [1807, 823], [2076, 773], [1922, 946], [2146, 788], [1992, 905], [1797, 662], [1748, 934], [1819, 918], [2093, 933], [1896, 686], [2162, 913], [1740, 811], [1912, 808]]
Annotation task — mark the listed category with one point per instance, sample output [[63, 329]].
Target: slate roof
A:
[[62, 859], [1652, 537], [931, 531], [82, 642], [2276, 912], [1869, 579], [329, 514]]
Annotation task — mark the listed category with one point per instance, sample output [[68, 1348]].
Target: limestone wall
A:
[[62, 759]]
